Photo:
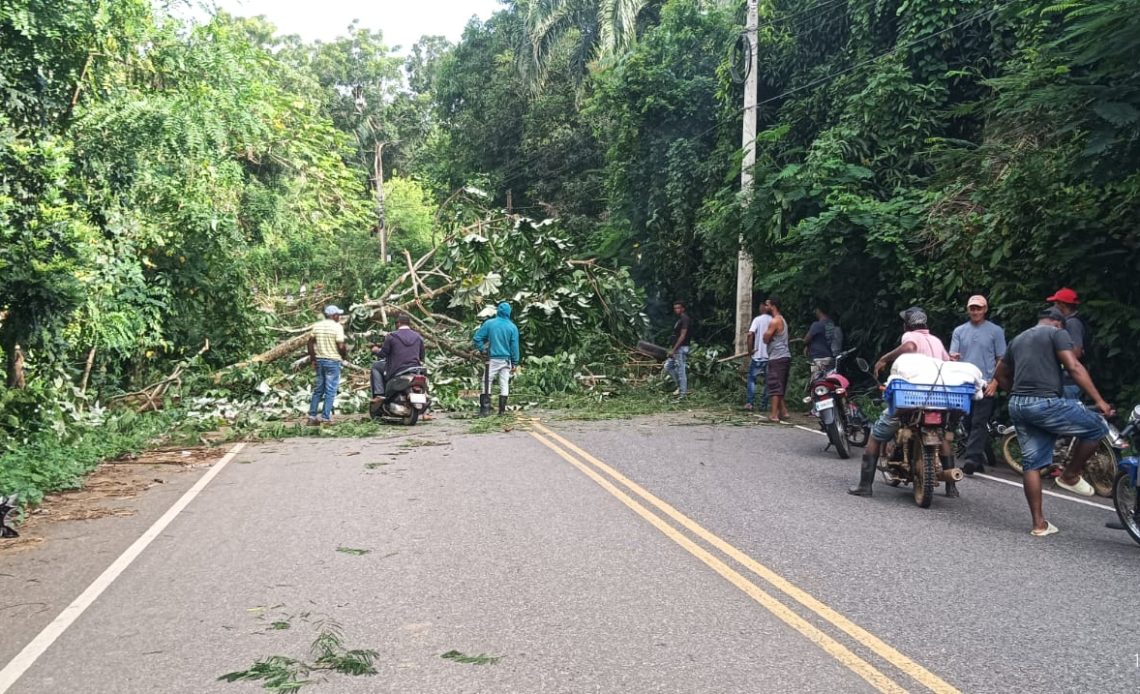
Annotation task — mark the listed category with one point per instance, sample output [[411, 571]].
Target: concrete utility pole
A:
[[743, 258], [381, 213]]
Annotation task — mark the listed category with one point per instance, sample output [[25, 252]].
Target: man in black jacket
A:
[[402, 348]]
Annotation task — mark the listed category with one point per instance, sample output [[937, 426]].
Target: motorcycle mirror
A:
[[862, 364]]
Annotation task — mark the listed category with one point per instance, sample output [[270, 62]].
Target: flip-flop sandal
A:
[[1049, 530]]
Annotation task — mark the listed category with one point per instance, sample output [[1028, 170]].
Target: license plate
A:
[[821, 405], [417, 398]]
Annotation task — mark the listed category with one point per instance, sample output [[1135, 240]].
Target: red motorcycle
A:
[[839, 417]]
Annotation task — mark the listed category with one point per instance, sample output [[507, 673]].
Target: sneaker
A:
[[748, 407], [313, 421], [1081, 486]]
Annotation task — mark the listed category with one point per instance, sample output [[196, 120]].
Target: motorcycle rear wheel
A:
[[411, 419], [922, 463], [837, 434], [1124, 499]]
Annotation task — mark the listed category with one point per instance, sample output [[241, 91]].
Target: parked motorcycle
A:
[[839, 417], [1124, 488], [995, 429], [405, 397], [1100, 470], [929, 415]]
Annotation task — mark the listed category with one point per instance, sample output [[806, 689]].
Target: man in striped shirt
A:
[[327, 351]]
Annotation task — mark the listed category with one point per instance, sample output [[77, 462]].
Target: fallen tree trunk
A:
[[283, 349]]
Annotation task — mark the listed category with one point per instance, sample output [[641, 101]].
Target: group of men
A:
[[1040, 369], [403, 349]]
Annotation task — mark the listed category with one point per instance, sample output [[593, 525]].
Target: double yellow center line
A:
[[605, 476]]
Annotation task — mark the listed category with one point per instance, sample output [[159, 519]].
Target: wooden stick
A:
[[735, 356]]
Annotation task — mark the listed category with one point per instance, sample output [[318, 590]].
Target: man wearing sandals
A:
[[1031, 373]]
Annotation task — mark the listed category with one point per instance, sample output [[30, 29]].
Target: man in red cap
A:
[[1066, 301]]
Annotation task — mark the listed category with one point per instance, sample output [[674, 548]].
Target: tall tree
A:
[[587, 30]]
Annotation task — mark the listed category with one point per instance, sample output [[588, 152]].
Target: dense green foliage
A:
[[163, 183], [909, 152]]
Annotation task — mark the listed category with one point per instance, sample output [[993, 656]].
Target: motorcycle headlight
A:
[[821, 391]]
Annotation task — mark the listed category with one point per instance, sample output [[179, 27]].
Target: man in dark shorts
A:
[[779, 360], [1031, 373]]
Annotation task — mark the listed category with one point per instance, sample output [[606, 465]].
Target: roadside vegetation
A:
[[178, 201]]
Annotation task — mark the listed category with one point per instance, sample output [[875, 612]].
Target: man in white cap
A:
[[327, 352], [981, 343]]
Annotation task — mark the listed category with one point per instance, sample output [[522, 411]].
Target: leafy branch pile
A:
[[575, 316], [327, 655]]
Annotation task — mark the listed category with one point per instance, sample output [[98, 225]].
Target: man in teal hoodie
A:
[[499, 339]]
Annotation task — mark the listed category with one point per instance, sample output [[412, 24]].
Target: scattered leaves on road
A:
[[353, 551], [481, 659], [281, 673]]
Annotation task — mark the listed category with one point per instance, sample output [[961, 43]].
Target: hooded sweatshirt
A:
[[498, 336], [402, 348]]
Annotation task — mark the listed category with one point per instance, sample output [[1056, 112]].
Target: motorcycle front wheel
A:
[[1124, 498], [837, 434], [1100, 470], [1011, 452]]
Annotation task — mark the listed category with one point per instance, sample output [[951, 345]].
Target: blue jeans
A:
[[328, 379], [886, 426], [1039, 421], [1072, 392], [675, 367], [758, 369]]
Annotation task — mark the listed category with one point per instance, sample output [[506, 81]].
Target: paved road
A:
[[653, 555]]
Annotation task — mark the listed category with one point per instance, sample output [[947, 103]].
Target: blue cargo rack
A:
[[902, 395]]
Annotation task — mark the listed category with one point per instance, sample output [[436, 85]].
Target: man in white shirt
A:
[[758, 366]]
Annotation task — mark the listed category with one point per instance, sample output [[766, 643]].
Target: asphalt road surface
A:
[[660, 554]]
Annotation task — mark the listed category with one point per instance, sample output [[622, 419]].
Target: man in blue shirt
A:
[[981, 343], [499, 339]]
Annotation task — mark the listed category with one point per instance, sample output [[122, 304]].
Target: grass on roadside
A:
[[46, 463]]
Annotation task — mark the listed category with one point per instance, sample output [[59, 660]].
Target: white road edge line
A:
[[31, 653], [813, 431], [1066, 497]]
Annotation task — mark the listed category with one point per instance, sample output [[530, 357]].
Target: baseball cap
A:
[[1053, 313], [913, 316], [1065, 296], [332, 310], [977, 300]]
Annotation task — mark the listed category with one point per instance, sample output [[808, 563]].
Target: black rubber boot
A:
[[866, 477], [485, 405], [951, 486], [502, 404]]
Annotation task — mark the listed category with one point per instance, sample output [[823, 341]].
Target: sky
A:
[[402, 22]]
